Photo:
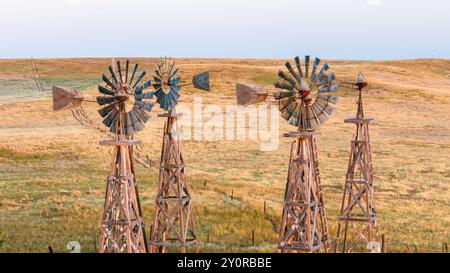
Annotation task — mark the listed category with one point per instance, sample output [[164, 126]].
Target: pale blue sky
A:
[[345, 29]]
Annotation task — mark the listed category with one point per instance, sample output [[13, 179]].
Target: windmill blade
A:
[[312, 120], [120, 71], [307, 57], [322, 71], [174, 73], [329, 110], [283, 103], [284, 85], [148, 95], [127, 125], [329, 88], [295, 116], [299, 66], [144, 86], [127, 64], [136, 122], [106, 110], [321, 115], [175, 88], [291, 70], [111, 118], [175, 81], [133, 73], [144, 105], [139, 78], [201, 81], [285, 77], [104, 100], [105, 91], [108, 82], [113, 75], [327, 79], [157, 79], [283, 94], [327, 98], [142, 114], [175, 94], [313, 72]]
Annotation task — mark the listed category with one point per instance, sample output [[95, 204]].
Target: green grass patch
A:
[[22, 158]]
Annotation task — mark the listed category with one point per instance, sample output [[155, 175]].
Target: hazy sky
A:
[[346, 29]]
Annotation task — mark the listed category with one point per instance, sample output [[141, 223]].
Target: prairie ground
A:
[[53, 172]]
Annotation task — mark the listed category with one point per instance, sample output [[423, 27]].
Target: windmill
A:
[[305, 103], [173, 224], [124, 109], [357, 219]]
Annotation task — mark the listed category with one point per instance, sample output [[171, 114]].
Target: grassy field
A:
[[53, 172]]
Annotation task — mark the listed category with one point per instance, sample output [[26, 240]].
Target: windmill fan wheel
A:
[[125, 103], [305, 101], [166, 84]]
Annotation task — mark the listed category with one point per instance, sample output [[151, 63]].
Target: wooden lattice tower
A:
[[173, 225], [303, 224], [122, 224], [304, 104], [357, 219]]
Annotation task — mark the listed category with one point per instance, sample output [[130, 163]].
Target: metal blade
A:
[[307, 65], [313, 72], [283, 94], [120, 71], [285, 77], [136, 121], [284, 85], [113, 75], [174, 73], [108, 82], [299, 66], [139, 78], [106, 110], [322, 71], [142, 114], [175, 88], [291, 70], [329, 88], [145, 105], [175, 81], [109, 119], [127, 64], [148, 95], [134, 72], [105, 91], [146, 85], [104, 100]]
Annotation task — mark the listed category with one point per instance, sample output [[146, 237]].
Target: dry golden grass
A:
[[52, 170]]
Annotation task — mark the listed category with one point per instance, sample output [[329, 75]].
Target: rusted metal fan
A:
[[126, 102], [306, 103]]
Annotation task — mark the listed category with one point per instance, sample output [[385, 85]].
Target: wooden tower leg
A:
[[303, 224], [173, 225], [122, 225], [357, 220]]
